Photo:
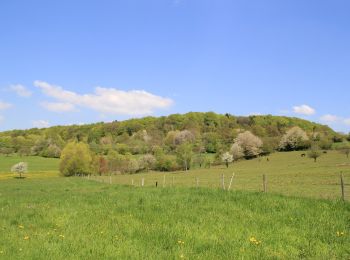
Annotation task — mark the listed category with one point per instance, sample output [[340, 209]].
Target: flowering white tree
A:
[[236, 151], [227, 158], [20, 168], [251, 145], [294, 139]]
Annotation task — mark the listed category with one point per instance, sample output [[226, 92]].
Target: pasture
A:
[[287, 174], [73, 218]]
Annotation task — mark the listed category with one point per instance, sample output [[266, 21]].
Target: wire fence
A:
[[326, 187]]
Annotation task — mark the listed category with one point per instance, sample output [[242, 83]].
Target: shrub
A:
[[250, 144], [75, 159], [294, 139]]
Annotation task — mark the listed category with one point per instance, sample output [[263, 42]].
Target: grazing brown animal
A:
[[303, 155], [325, 152]]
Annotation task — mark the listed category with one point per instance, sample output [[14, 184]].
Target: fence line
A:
[[215, 182]]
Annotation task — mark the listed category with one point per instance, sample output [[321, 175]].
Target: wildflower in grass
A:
[[21, 227], [340, 233], [61, 236], [254, 241], [182, 256], [102, 232], [180, 242], [26, 238]]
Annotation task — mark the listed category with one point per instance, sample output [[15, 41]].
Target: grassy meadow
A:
[[73, 218], [287, 173], [38, 167], [45, 216]]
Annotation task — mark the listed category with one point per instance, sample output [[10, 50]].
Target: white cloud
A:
[[21, 90], [58, 107], [330, 118], [108, 100], [347, 121], [4, 105], [304, 110], [41, 123]]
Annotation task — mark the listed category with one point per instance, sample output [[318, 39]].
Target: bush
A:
[[75, 159], [294, 139]]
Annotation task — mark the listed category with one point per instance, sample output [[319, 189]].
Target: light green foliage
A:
[[184, 155], [75, 159]]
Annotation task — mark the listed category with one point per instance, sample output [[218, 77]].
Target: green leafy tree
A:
[[184, 154], [75, 159], [314, 152]]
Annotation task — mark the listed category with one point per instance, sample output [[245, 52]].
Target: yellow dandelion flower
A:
[[179, 242], [26, 238], [21, 227], [61, 236]]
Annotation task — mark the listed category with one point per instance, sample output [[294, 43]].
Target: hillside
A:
[[140, 135]]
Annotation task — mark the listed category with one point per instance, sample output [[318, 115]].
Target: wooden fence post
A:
[[264, 183], [223, 181], [132, 182], [229, 187], [142, 182], [342, 187]]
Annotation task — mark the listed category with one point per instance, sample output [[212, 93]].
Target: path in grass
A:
[[70, 218]]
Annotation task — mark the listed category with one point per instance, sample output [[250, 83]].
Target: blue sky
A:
[[65, 62]]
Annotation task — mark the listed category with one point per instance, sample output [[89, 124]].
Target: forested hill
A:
[[213, 132]]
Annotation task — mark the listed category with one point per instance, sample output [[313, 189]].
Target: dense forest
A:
[[203, 133]]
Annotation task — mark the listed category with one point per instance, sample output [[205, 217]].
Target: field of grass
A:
[[72, 218], [38, 167], [287, 173]]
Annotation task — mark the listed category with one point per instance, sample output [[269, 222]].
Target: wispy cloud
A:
[[58, 107], [304, 110], [106, 100], [333, 119], [330, 118], [20, 90], [4, 105], [41, 123]]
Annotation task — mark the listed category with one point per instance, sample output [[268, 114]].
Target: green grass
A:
[[72, 218], [287, 173], [37, 166]]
